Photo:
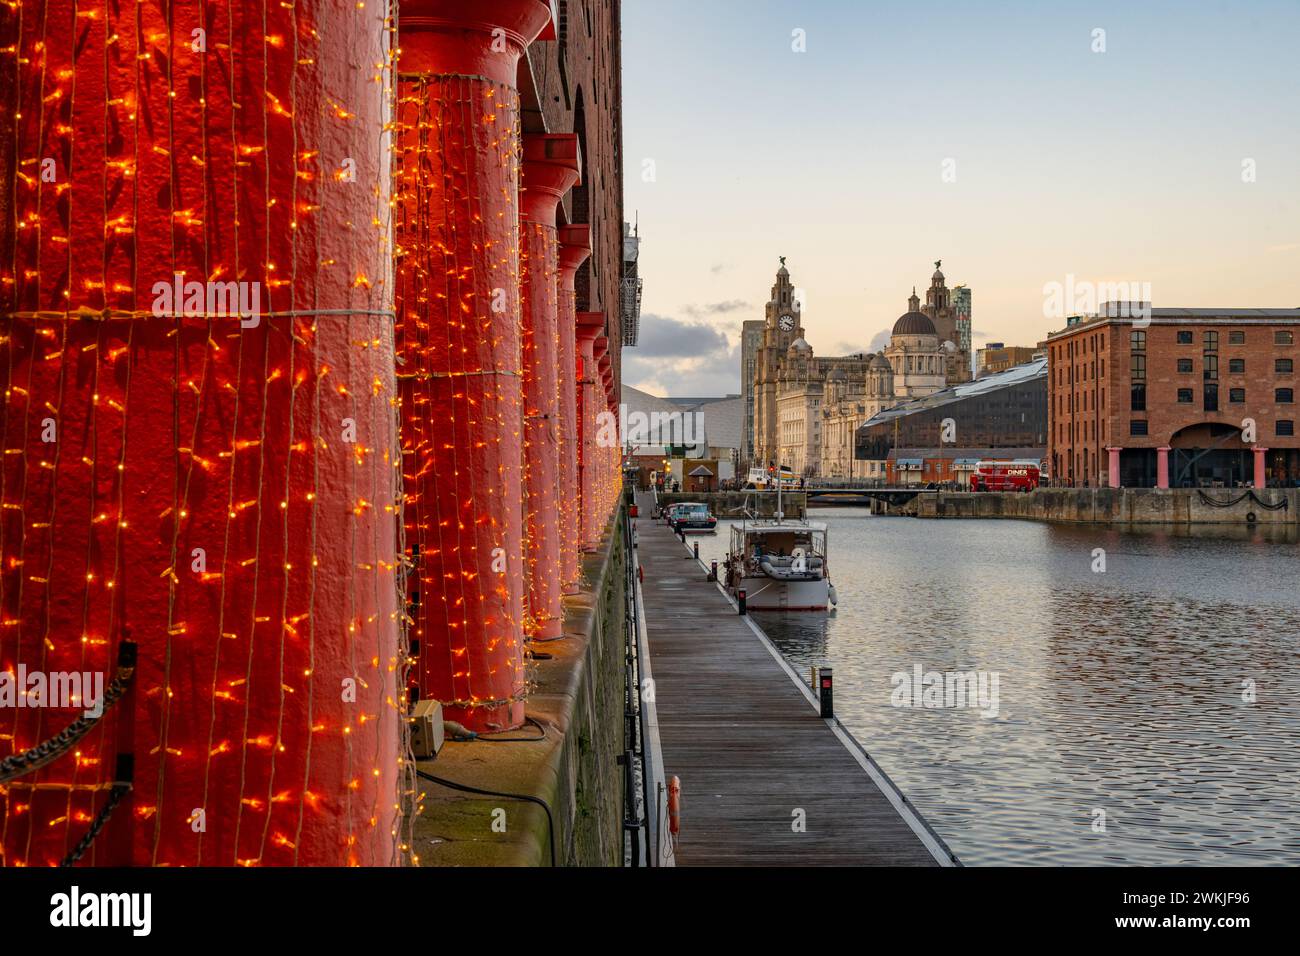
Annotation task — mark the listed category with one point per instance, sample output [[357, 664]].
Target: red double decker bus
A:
[[1005, 476]]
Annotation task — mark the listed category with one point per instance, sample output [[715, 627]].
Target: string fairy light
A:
[[456, 227], [550, 169], [224, 493], [593, 460], [575, 248]]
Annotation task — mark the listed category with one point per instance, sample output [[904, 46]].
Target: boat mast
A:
[[779, 514]]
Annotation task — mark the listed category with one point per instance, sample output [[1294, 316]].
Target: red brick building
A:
[[574, 85], [1196, 397]]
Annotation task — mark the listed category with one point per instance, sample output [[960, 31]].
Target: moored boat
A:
[[780, 565], [691, 517]]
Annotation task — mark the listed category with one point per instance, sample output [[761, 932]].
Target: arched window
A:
[[580, 209]]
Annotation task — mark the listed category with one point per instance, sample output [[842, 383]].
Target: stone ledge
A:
[[569, 692], [1121, 506]]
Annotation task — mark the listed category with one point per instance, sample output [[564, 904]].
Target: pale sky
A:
[[1122, 165]]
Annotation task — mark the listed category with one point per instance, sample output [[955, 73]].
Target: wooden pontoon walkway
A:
[[748, 742]]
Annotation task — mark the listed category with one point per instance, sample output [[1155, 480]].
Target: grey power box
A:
[[426, 729]]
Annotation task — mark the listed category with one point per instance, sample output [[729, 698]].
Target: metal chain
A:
[[115, 797], [49, 750]]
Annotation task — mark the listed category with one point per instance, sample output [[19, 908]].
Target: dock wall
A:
[[1137, 506]]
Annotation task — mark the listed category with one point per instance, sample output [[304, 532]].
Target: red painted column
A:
[[607, 439], [1162, 466], [457, 240], [1113, 463], [209, 475], [589, 327], [550, 169], [575, 248], [1261, 479]]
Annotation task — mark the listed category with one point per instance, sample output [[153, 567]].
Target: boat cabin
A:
[[783, 542]]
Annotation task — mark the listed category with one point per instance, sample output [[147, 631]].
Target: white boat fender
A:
[[834, 598]]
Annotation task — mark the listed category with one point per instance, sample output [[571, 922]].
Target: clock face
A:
[[786, 322]]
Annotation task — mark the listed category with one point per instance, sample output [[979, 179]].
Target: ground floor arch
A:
[[1205, 455]]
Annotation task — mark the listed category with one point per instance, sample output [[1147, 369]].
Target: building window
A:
[[1237, 337], [1138, 397], [1283, 396], [1211, 368], [1185, 338], [1285, 426], [1184, 366], [1137, 340], [1211, 341], [1236, 396], [1211, 397], [1138, 366], [1185, 396], [1283, 366], [1236, 366], [1137, 426], [1283, 338]]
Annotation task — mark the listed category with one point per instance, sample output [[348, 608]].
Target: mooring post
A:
[[826, 692], [713, 570], [740, 601]]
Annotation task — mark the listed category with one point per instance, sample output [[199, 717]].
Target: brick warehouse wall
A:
[[1090, 380], [574, 85]]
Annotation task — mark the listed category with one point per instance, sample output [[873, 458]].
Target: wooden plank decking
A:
[[748, 745]]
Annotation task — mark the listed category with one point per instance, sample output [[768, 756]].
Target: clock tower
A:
[[782, 326]]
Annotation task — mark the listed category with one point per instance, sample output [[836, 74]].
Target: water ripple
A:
[[1157, 696]]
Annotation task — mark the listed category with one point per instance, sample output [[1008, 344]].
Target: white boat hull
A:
[[768, 594]]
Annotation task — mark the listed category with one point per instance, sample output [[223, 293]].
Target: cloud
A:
[[674, 357], [880, 340], [1285, 247], [715, 308], [665, 337]]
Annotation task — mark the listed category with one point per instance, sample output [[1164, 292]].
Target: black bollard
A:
[[713, 571], [740, 601], [697, 551], [826, 691]]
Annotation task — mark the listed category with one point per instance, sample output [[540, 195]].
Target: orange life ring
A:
[[674, 805]]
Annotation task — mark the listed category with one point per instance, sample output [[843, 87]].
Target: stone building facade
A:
[[800, 399], [751, 340], [848, 403], [951, 325]]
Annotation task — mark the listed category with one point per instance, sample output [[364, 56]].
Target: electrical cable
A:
[[466, 788], [518, 740]]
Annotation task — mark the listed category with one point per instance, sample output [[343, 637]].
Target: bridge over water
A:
[[894, 497]]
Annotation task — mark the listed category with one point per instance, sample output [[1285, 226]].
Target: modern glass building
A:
[[941, 436]]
